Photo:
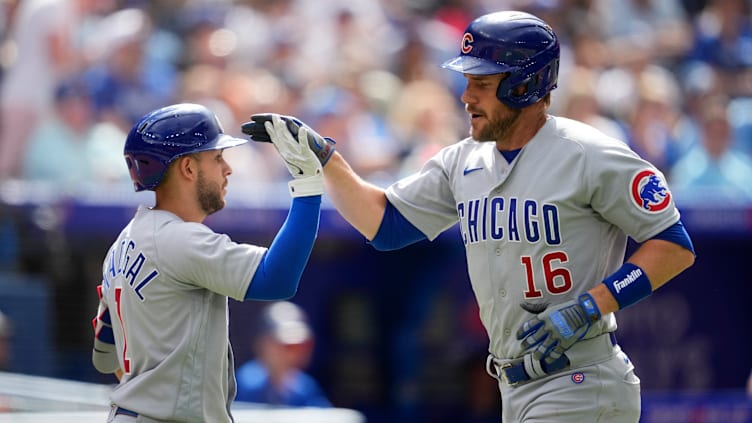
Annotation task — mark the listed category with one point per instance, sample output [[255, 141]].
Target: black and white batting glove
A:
[[554, 330], [301, 162], [322, 147]]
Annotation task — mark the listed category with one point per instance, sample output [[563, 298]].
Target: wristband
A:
[[629, 285], [304, 187], [591, 308]]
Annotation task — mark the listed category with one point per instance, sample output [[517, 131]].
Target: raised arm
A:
[[279, 273]]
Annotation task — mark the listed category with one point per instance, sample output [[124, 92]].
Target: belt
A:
[[514, 372], [125, 412]]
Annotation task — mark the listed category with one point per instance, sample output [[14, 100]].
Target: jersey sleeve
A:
[[629, 192], [425, 199], [194, 254]]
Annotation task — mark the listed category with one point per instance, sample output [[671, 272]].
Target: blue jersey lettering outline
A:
[[501, 218], [120, 264]]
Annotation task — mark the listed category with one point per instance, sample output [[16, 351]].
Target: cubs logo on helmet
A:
[[467, 43], [649, 191]]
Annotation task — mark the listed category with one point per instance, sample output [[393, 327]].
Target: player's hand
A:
[[322, 147], [554, 330], [301, 162]]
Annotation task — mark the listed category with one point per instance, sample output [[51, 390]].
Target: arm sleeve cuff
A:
[[395, 231], [678, 235]]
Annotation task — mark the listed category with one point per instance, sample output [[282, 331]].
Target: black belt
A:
[[513, 373], [125, 412]]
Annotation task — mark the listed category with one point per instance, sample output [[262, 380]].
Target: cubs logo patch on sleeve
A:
[[649, 191]]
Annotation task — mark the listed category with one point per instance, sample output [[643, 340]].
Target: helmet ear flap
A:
[[146, 170], [536, 86], [134, 172]]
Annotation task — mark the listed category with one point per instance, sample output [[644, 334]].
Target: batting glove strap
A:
[[589, 306], [533, 367], [305, 187], [322, 147], [525, 369]]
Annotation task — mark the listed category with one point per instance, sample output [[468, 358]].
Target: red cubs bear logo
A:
[[649, 192]]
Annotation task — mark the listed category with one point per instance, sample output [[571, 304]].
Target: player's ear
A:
[[187, 166], [520, 90]]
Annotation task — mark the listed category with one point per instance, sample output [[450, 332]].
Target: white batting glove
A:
[[301, 162]]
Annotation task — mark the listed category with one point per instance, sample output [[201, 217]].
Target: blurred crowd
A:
[[673, 78]]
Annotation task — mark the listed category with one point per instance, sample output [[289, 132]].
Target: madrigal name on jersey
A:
[[122, 261], [510, 219]]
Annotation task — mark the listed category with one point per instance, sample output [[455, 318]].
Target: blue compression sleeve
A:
[[678, 235], [279, 272], [395, 231]]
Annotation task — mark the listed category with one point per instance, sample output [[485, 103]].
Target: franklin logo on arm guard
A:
[[631, 277], [629, 285]]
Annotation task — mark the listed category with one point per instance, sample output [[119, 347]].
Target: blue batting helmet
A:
[[165, 134], [511, 42]]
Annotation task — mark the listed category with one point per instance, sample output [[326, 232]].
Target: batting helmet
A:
[[165, 134], [514, 42]]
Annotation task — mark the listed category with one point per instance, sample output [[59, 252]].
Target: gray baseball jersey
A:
[[164, 292], [546, 227]]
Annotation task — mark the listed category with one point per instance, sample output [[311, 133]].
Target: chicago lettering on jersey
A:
[[511, 219], [122, 261]]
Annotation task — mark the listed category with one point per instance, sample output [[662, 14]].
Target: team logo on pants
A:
[[649, 192], [578, 377]]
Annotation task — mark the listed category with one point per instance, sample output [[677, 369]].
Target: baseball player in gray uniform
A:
[[162, 321], [545, 205]]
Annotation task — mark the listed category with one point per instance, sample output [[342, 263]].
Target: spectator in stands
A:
[[125, 81], [346, 113], [713, 171], [581, 103], [43, 50], [56, 147], [654, 116], [283, 347], [70, 148], [424, 117], [644, 31], [741, 122], [722, 34]]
